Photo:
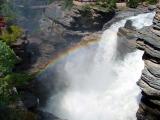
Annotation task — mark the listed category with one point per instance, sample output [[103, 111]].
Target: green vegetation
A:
[[152, 2], [6, 9], [18, 79], [112, 4], [11, 34], [7, 58], [133, 3], [9, 80], [106, 5], [7, 84], [102, 5]]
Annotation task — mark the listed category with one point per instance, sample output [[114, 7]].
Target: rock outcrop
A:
[[79, 18], [126, 40], [149, 41]]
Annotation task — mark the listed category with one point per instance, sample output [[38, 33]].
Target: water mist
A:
[[92, 85]]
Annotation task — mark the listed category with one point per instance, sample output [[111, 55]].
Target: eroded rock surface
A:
[[126, 40], [149, 41]]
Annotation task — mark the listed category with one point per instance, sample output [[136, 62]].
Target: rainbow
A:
[[62, 54]]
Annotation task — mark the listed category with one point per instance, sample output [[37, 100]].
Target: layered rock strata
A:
[[149, 41], [126, 40]]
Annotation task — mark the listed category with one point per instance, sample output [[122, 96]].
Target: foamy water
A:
[[92, 85]]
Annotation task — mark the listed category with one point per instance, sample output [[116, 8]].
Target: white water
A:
[[97, 86]]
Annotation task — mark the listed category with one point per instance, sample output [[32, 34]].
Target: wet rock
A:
[[128, 25], [7, 113], [140, 44], [61, 29], [150, 79], [147, 89], [149, 37], [149, 41], [145, 111], [153, 68], [46, 116], [151, 7], [29, 100], [77, 17], [126, 40], [119, 15]]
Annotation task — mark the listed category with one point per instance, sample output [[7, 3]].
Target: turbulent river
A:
[[90, 84]]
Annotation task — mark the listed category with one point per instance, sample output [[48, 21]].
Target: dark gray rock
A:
[[46, 116], [128, 25], [78, 18], [152, 51], [29, 100], [149, 37], [126, 40], [147, 111], [156, 24], [149, 41], [151, 7], [140, 44]]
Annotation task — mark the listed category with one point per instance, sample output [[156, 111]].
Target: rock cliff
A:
[[149, 41]]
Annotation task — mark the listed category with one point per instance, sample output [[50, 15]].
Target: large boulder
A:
[[126, 39]]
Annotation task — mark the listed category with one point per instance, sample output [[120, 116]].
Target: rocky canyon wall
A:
[[149, 41]]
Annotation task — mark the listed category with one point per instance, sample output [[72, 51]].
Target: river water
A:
[[90, 84]]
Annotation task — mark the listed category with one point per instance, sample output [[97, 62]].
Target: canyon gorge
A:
[[98, 80], [87, 63]]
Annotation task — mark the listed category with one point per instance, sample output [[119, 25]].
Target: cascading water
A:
[[91, 85]]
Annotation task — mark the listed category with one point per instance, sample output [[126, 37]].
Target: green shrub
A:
[[133, 3], [11, 34], [152, 1], [7, 58], [4, 92], [87, 11], [112, 4], [8, 83], [18, 79], [106, 5]]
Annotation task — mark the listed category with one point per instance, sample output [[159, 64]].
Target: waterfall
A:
[[89, 84]]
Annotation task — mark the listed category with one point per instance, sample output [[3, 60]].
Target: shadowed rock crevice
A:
[[148, 39]]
